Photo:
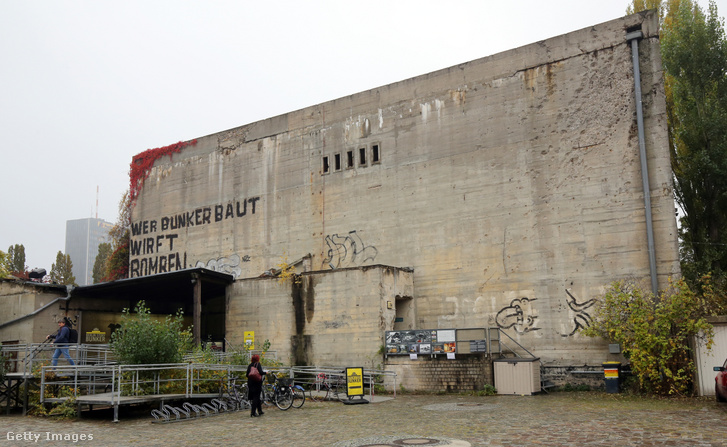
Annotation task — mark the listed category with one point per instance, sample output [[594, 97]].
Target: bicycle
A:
[[277, 391], [234, 394], [332, 387], [298, 396]]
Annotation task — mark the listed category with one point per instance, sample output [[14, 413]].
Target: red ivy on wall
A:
[[142, 163]]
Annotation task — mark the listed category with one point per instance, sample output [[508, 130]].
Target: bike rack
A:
[[189, 410]]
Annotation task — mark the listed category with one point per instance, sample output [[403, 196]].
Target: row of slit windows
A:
[[352, 158]]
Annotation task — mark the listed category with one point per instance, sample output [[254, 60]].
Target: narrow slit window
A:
[[375, 155], [326, 165], [349, 159], [362, 156], [338, 162]]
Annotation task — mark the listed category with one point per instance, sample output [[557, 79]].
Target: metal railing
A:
[[309, 375], [23, 358], [115, 385]]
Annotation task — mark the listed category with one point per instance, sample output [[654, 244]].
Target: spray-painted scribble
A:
[[347, 251], [519, 315], [581, 319], [229, 265]]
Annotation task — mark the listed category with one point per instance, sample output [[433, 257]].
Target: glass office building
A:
[[82, 239]]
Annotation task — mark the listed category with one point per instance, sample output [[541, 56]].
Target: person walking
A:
[[255, 376], [61, 339]]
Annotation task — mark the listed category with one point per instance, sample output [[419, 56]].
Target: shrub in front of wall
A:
[[145, 340]]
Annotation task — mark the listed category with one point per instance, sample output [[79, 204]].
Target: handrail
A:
[[499, 340]]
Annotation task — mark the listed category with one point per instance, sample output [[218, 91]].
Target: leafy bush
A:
[[144, 340], [654, 333], [487, 390]]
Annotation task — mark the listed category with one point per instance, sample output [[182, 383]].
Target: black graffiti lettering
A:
[[218, 212], [244, 208], [198, 216], [189, 221], [174, 262], [206, 214], [253, 200], [135, 247], [230, 211], [165, 223], [171, 238], [156, 264], [349, 250], [144, 227]]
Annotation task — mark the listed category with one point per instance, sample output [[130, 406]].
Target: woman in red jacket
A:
[[255, 386]]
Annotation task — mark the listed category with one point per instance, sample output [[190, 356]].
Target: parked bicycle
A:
[[328, 387], [234, 394], [277, 391], [298, 396]]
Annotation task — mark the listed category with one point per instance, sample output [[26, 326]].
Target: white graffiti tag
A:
[[229, 265]]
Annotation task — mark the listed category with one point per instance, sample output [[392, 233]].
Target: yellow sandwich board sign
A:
[[354, 382]]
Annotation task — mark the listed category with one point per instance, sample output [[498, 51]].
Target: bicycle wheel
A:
[[240, 393], [340, 391], [298, 396], [266, 398], [284, 398]]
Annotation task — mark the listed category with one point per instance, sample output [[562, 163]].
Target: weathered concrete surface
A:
[[19, 299], [510, 184], [327, 319]]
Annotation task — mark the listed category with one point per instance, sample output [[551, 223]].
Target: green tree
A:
[[99, 265], [62, 271], [694, 54], [643, 5], [117, 266], [654, 333], [4, 272], [143, 339], [16, 258]]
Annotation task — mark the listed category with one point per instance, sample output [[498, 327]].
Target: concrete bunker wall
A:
[[511, 185], [22, 299], [332, 318]]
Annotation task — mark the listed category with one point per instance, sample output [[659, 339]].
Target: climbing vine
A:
[[142, 163]]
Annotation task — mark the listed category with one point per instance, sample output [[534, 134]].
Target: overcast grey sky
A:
[[86, 85]]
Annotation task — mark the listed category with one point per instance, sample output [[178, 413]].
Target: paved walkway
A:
[[558, 419]]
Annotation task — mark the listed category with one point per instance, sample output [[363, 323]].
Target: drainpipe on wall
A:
[[633, 38]]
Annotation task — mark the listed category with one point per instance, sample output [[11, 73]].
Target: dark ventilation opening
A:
[[326, 165], [362, 156], [631, 29], [338, 162], [375, 154], [349, 159]]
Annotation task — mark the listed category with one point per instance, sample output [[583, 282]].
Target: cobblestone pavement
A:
[[558, 419]]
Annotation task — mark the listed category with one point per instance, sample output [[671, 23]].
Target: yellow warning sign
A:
[[249, 339], [354, 382]]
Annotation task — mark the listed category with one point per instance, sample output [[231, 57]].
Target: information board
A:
[[436, 341]]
